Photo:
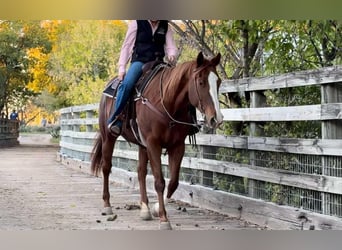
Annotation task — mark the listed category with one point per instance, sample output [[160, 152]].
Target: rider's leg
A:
[[124, 92]]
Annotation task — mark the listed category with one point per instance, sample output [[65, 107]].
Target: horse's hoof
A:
[[107, 211], [165, 225], [145, 213], [155, 209]]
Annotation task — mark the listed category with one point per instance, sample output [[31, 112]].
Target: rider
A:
[[145, 41]]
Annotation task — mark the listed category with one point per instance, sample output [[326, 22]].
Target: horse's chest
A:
[[172, 137]]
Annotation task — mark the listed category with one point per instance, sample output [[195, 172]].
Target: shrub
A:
[[54, 131]]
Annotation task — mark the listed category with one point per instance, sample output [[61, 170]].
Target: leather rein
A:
[[167, 115]]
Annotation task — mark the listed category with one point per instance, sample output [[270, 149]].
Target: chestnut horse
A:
[[162, 115]]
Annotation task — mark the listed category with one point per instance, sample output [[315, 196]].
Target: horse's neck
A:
[[175, 92]]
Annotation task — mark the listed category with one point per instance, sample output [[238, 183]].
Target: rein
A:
[[146, 102], [162, 103]]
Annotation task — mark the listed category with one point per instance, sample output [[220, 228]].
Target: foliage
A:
[[229, 183], [264, 47], [54, 131], [252, 48], [304, 45], [48, 64], [307, 95], [16, 39], [86, 91], [84, 58]]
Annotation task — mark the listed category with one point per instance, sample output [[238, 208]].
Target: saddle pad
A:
[[149, 75], [111, 87]]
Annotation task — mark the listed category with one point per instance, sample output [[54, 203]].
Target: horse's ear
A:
[[216, 60], [200, 59]]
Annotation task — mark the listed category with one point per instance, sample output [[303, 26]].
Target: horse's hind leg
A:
[[107, 151], [145, 212]]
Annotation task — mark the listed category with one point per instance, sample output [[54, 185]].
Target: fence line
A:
[[264, 179]]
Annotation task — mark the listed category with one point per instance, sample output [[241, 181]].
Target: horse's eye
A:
[[201, 82]]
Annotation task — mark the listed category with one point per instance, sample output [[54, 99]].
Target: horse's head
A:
[[203, 91]]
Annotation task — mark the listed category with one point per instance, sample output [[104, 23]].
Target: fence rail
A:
[[268, 180]]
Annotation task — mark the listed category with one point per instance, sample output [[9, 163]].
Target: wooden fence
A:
[[279, 182], [9, 132]]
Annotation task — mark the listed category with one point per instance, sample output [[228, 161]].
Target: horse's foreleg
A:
[[145, 212], [154, 153], [175, 158], [107, 151]]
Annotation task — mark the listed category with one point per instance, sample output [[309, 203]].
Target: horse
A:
[[164, 122]]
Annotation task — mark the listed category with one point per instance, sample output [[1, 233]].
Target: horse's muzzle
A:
[[214, 123]]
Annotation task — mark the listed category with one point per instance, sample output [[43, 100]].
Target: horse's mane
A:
[[182, 69], [176, 75]]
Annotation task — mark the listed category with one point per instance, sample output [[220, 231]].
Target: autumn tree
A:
[[17, 38], [84, 58]]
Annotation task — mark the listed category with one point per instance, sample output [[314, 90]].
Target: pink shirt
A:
[[127, 47]]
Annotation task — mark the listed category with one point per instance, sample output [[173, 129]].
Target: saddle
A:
[[149, 69]]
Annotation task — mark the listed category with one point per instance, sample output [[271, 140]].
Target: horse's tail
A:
[[96, 156]]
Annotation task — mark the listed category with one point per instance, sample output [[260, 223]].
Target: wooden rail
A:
[[268, 180]]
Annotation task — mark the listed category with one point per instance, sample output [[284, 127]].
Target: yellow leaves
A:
[[35, 114], [52, 27], [35, 53], [38, 63], [118, 23]]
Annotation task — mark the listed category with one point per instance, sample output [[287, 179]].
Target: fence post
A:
[[331, 129], [332, 93], [89, 114], [67, 116], [257, 100], [76, 127]]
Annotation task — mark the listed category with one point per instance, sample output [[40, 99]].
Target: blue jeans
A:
[[125, 89]]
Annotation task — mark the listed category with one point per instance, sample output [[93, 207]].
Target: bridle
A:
[[197, 92], [166, 111]]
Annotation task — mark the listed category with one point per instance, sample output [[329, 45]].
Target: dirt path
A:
[[39, 193]]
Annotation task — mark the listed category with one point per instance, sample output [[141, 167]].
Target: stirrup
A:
[[114, 129]]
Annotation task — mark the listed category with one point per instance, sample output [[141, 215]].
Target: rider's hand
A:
[[171, 59], [121, 76]]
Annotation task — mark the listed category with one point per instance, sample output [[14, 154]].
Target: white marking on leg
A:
[[145, 212], [107, 211], [155, 209]]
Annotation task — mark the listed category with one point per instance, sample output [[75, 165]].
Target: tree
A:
[[301, 45], [241, 43], [263, 47], [84, 58], [16, 39]]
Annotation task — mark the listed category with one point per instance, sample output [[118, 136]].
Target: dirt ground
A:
[[37, 193]]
